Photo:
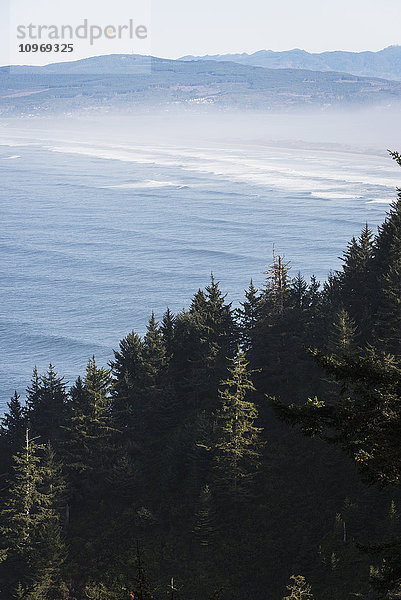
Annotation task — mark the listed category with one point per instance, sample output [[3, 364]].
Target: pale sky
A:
[[179, 27]]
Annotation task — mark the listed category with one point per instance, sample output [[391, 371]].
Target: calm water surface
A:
[[95, 237]]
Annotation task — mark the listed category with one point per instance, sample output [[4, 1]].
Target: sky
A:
[[181, 27]]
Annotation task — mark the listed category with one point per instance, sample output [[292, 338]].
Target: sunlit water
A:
[[95, 237]]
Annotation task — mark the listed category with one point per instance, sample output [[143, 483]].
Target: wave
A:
[[150, 183], [334, 195], [11, 157], [380, 201], [261, 169]]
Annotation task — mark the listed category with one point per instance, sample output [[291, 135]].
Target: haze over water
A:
[[99, 230]]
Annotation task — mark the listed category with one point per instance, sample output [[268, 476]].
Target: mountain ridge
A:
[[127, 81], [385, 63]]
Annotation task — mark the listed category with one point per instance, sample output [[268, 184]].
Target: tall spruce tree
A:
[[33, 548], [387, 273], [91, 430], [342, 340], [356, 280], [127, 374], [238, 447], [47, 402], [248, 317], [13, 426]]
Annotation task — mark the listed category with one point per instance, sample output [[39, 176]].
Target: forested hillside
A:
[[173, 471], [126, 82]]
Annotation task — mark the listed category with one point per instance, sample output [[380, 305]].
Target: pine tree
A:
[[127, 375], [204, 339], [91, 429], [356, 279], [47, 401], [167, 329], [13, 425], [277, 285], [387, 273], [126, 366], [299, 292], [153, 354], [248, 317], [238, 447], [342, 338], [220, 322], [204, 527], [365, 418], [298, 589], [31, 532]]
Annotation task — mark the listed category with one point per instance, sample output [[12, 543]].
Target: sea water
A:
[[96, 236]]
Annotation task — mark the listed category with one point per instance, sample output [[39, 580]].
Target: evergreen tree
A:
[[356, 279], [127, 365], [387, 273], [167, 329], [343, 335], [47, 401], [277, 286], [33, 548], [204, 528], [248, 317], [238, 447], [153, 355], [299, 292], [298, 589], [91, 430], [13, 425]]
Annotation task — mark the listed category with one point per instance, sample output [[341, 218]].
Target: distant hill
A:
[[385, 63], [89, 85]]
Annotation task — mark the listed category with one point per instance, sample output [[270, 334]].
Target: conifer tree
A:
[[248, 317], [13, 425], [31, 533], [276, 290], [356, 279], [127, 376], [238, 447], [126, 366], [365, 418], [219, 321], [204, 527], [47, 401], [204, 338], [153, 354], [167, 329], [299, 292], [298, 589], [91, 429], [387, 273], [342, 338]]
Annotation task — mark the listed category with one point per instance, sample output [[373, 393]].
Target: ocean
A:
[[97, 235]]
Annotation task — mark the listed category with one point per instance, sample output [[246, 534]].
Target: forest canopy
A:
[[172, 470]]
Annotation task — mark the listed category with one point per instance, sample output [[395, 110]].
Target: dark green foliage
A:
[[47, 406], [343, 336], [33, 549], [238, 446], [90, 431], [357, 282], [13, 426], [177, 446]]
